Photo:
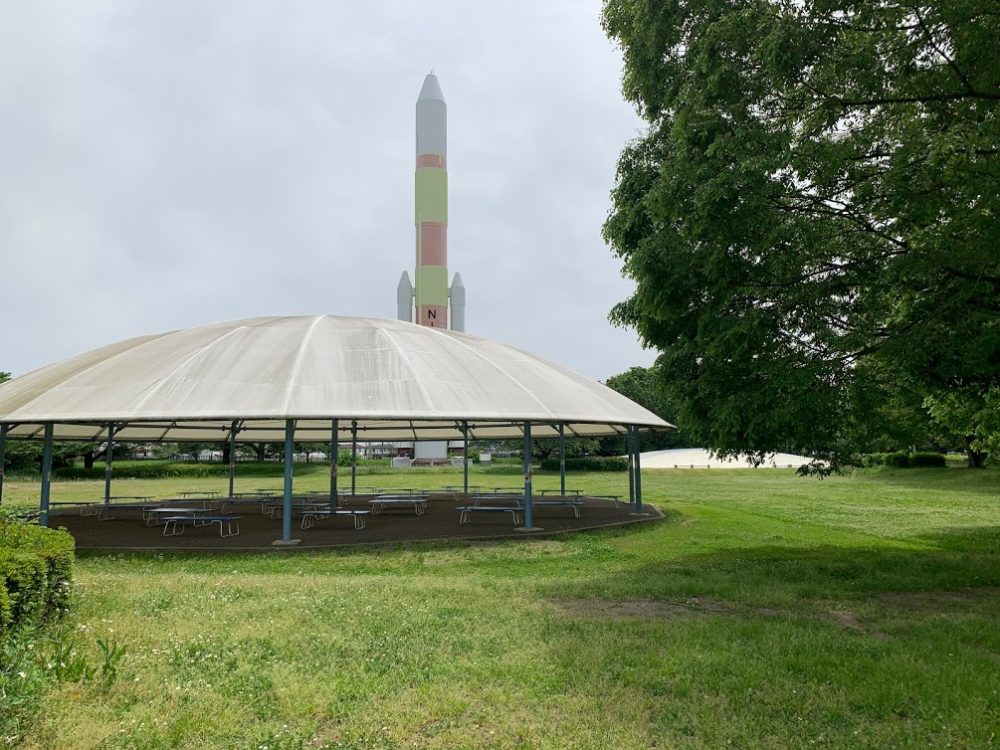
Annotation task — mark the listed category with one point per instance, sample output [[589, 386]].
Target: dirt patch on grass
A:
[[612, 609], [700, 606], [938, 601]]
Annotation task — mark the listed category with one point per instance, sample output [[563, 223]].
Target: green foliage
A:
[[645, 386], [818, 188], [172, 469], [904, 460], [35, 569], [927, 460], [23, 682], [969, 420], [588, 463]]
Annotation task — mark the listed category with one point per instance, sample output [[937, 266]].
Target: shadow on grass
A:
[[984, 482], [951, 560]]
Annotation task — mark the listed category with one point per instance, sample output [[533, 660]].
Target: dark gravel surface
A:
[[127, 531]]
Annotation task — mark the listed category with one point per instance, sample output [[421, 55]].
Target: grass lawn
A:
[[765, 611]]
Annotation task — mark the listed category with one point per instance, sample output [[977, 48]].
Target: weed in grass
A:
[[23, 682]]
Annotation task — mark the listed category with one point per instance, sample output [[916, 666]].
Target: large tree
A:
[[817, 190]]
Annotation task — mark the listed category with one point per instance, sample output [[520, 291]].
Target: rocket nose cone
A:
[[431, 89]]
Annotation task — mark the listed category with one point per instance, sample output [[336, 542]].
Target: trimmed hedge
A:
[[905, 460], [204, 469], [35, 569], [588, 463]]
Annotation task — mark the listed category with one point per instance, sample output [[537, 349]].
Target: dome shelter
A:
[[312, 379]]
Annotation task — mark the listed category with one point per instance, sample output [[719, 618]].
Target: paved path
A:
[[699, 458]]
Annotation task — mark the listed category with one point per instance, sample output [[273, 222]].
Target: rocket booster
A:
[[431, 206], [430, 291]]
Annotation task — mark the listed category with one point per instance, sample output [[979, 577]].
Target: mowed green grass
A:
[[765, 611]]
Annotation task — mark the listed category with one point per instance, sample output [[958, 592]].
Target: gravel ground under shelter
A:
[[128, 531]]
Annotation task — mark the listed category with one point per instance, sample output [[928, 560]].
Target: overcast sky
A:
[[165, 165]]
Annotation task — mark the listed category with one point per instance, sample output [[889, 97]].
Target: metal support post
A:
[[465, 456], [528, 520], [334, 429], [286, 505], [638, 473], [232, 457], [562, 460], [43, 507], [631, 464], [3, 455], [354, 457], [109, 458]]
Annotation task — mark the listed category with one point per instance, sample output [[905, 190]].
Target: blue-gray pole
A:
[[527, 476], [638, 473], [334, 429], [354, 457], [43, 516], [3, 456], [232, 457], [562, 459], [109, 458], [286, 505], [631, 464], [465, 455]]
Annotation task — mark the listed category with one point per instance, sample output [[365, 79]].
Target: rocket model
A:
[[430, 294]]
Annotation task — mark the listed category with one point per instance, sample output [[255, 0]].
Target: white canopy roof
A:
[[399, 381]]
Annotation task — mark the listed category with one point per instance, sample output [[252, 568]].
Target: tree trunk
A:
[[88, 460], [261, 451]]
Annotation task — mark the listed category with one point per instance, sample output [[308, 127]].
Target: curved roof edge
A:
[[397, 381]]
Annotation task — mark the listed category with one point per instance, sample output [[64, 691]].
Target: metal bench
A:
[[174, 525], [105, 511], [310, 517], [384, 502], [86, 508], [495, 499], [576, 505], [466, 511]]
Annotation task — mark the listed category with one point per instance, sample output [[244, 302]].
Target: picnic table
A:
[[459, 488], [466, 511], [384, 502], [174, 525], [105, 511], [573, 504], [87, 508], [241, 499], [309, 517], [274, 508], [508, 497], [577, 493], [155, 516], [199, 494]]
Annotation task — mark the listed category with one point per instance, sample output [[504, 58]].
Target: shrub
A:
[[588, 463], [925, 459], [899, 459], [195, 470], [35, 568], [904, 460]]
